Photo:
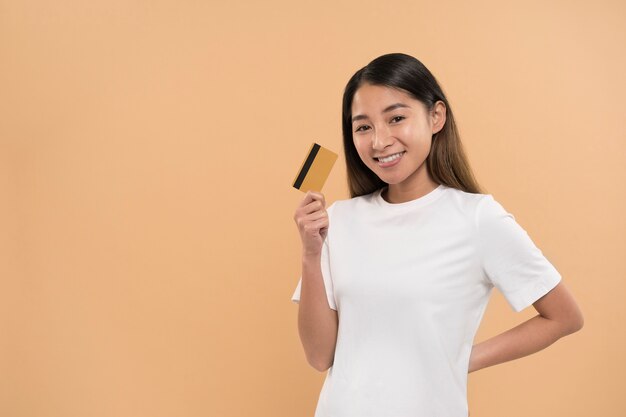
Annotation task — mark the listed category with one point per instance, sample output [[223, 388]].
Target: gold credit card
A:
[[315, 169]]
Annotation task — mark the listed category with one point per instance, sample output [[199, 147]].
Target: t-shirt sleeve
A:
[[326, 274], [510, 259]]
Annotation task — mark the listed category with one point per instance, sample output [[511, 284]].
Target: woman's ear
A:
[[438, 116]]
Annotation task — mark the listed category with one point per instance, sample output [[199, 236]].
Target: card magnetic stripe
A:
[[307, 166]]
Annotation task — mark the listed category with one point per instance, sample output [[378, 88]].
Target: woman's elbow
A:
[[580, 323], [321, 366], [575, 324]]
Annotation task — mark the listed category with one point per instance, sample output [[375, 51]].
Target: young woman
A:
[[396, 279]]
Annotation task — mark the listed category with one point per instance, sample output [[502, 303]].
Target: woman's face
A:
[[387, 121]]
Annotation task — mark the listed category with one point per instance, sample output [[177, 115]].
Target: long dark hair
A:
[[446, 163]]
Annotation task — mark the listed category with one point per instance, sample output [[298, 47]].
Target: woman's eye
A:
[[398, 118]]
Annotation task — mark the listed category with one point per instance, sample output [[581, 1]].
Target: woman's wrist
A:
[[311, 258]]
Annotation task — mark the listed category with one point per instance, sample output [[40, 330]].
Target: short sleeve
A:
[[326, 273], [510, 259]]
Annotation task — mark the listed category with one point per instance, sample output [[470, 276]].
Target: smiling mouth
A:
[[397, 153]]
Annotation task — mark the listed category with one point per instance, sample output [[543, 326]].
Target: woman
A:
[[396, 279]]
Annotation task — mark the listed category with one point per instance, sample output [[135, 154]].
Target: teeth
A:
[[391, 157]]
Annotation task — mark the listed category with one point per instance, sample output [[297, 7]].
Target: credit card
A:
[[315, 169]]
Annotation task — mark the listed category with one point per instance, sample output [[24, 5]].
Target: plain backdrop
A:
[[148, 251]]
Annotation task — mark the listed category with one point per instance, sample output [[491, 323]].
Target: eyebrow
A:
[[387, 109]]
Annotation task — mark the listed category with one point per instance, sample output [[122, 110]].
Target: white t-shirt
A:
[[410, 283]]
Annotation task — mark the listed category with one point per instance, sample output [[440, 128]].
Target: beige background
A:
[[148, 250]]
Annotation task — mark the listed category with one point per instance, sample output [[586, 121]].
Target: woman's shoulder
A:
[[348, 205], [467, 204], [467, 198], [482, 208]]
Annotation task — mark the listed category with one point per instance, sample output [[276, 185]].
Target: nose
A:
[[381, 138]]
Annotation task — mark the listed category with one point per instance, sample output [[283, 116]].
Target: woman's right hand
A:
[[312, 220]]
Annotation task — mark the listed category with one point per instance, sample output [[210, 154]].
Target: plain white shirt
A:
[[410, 283]]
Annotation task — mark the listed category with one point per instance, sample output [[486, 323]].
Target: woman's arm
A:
[[559, 316], [317, 322]]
